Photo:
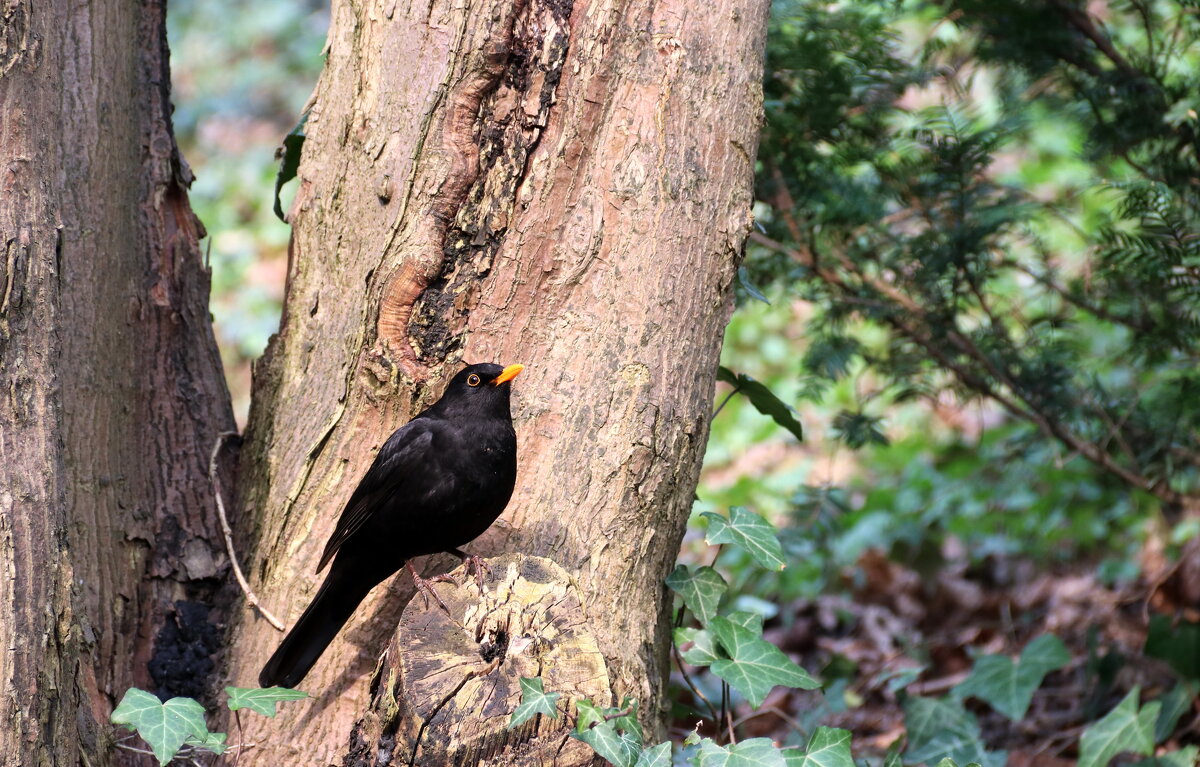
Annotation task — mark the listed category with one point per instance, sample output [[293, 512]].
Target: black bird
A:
[[438, 482]]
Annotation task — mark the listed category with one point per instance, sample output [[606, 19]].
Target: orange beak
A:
[[508, 374]]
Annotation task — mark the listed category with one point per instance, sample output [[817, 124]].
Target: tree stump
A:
[[457, 677]]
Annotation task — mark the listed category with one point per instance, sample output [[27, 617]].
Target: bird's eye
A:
[[472, 380]]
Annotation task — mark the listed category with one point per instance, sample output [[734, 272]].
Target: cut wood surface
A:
[[455, 679]]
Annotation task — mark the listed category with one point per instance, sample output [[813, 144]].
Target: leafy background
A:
[[975, 279]]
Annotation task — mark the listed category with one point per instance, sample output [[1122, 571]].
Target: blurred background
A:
[[975, 277]]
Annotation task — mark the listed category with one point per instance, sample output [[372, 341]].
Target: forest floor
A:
[[894, 631]]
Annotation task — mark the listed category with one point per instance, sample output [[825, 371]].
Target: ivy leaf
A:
[[213, 741], [754, 665], [1174, 703], [262, 701], [747, 620], [701, 589], [763, 400], [756, 752], [746, 529], [938, 729], [289, 161], [703, 650], [619, 739], [1007, 686], [165, 726], [1125, 728], [1188, 757], [655, 756], [534, 700], [828, 747], [620, 748]]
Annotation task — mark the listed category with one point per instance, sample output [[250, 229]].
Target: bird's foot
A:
[[425, 587], [472, 562], [479, 566]]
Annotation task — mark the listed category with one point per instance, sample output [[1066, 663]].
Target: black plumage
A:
[[438, 483]]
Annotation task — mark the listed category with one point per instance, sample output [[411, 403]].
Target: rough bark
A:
[[566, 185], [113, 388]]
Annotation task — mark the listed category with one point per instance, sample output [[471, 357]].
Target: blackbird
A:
[[438, 482]]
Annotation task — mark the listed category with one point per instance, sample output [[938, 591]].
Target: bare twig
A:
[[687, 679], [251, 598]]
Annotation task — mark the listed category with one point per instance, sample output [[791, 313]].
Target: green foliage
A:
[[289, 161], [534, 700], [1009, 686], [700, 587], [1175, 641], [762, 399], [753, 665], [1174, 704], [1063, 288], [940, 729], [614, 733], [755, 752], [263, 701], [1125, 728], [748, 530], [828, 747], [178, 727], [165, 726]]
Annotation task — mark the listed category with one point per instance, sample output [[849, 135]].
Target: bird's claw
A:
[[479, 566], [425, 587]]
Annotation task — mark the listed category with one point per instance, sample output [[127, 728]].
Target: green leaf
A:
[[1174, 703], [262, 701], [938, 729], [655, 756], [856, 429], [289, 161], [619, 739], [756, 752], [701, 589], [1007, 686], [1125, 728], [534, 700], [1176, 643], [754, 665], [828, 747], [763, 400], [747, 620], [749, 287], [1188, 757], [703, 650], [165, 726], [213, 741], [620, 748], [750, 531]]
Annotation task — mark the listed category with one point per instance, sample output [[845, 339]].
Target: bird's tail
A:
[[333, 605]]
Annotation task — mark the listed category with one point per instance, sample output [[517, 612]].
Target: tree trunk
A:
[[113, 388], [566, 185]]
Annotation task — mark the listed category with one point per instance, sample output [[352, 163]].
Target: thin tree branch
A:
[[251, 598]]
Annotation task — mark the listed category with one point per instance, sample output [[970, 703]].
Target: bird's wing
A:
[[398, 460]]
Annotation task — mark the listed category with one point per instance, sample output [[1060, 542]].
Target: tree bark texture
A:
[[562, 184], [113, 392]]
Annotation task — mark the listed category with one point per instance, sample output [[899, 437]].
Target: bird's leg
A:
[[472, 562], [426, 587]]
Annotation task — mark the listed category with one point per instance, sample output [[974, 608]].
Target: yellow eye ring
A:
[[472, 380]]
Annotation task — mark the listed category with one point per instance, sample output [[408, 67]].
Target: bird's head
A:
[[483, 387]]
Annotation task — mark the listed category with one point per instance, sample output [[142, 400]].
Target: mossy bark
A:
[[561, 184]]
